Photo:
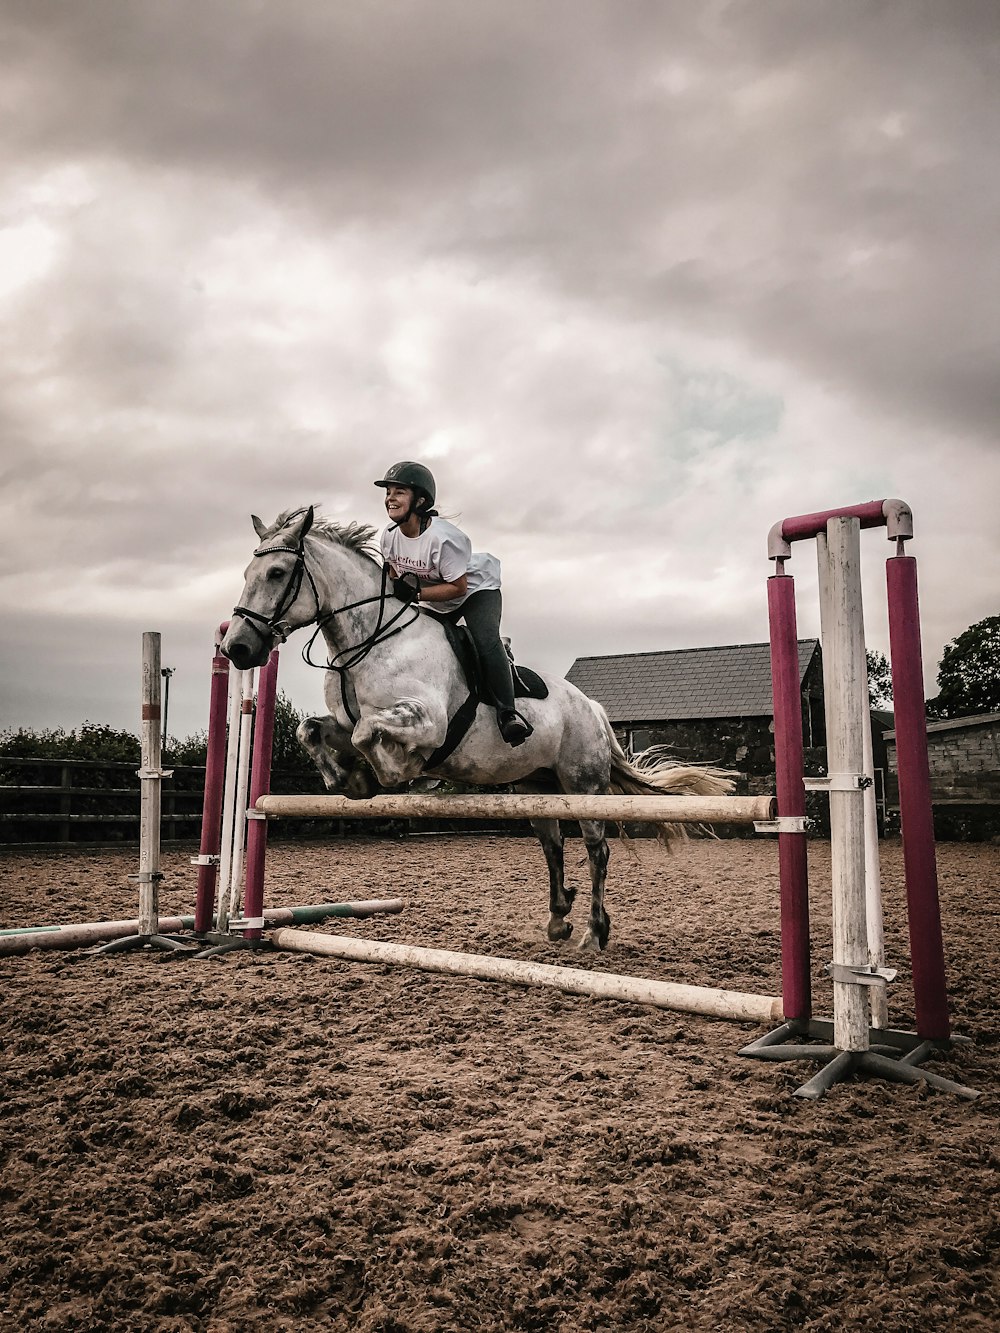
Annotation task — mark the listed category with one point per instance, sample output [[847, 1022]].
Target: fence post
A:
[[65, 803]]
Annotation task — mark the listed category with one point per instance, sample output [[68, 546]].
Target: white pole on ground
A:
[[707, 1000], [149, 779], [844, 646], [229, 800], [247, 679], [878, 998]]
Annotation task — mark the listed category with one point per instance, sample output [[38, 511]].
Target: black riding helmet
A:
[[420, 480]]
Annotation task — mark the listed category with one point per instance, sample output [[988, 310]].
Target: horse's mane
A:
[[358, 537], [354, 536]]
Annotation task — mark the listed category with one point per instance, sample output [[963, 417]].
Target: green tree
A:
[[191, 751], [98, 741], [92, 741], [287, 752], [969, 675], [879, 680]]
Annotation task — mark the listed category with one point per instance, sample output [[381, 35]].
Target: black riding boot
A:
[[481, 612], [513, 727]]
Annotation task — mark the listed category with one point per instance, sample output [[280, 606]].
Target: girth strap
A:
[[458, 727]]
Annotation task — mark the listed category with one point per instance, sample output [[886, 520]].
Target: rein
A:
[[278, 630]]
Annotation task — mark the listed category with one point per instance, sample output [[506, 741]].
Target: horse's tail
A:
[[652, 773]]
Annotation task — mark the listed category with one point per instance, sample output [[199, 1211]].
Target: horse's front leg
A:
[[394, 740], [328, 745], [599, 925], [549, 834]]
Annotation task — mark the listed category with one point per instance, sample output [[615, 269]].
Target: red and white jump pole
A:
[[856, 970], [222, 822], [215, 771], [241, 696], [226, 821]]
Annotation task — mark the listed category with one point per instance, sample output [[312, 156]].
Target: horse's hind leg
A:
[[599, 924], [550, 836]]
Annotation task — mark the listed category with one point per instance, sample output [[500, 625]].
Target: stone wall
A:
[[964, 760]]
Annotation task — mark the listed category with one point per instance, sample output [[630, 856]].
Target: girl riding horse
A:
[[432, 562]]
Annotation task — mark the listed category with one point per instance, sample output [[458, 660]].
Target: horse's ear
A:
[[259, 526], [298, 524]]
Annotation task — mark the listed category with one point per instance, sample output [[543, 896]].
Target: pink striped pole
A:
[[790, 788], [215, 769], [260, 785], [916, 811]]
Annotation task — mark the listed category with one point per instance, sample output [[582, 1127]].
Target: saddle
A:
[[528, 684]]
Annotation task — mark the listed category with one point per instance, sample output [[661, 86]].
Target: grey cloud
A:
[[814, 180]]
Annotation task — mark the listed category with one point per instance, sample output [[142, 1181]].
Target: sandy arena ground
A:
[[273, 1141]]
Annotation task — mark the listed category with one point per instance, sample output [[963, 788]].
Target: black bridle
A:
[[273, 629]]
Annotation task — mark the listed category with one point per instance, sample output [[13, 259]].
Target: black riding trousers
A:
[[481, 612]]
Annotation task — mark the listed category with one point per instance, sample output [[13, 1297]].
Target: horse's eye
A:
[[275, 573]]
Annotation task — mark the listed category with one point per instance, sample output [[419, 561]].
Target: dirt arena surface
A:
[[272, 1141]]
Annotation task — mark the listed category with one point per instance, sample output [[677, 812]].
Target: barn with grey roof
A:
[[707, 704]]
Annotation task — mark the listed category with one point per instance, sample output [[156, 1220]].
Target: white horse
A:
[[393, 683]]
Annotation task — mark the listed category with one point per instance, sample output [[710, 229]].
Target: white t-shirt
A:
[[441, 554]]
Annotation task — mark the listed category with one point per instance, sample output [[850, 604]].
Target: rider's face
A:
[[398, 500]]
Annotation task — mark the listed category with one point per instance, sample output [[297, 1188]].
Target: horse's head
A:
[[279, 594]]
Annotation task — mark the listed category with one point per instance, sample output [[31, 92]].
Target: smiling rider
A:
[[432, 562]]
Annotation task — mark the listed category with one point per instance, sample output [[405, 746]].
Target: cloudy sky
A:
[[635, 279]]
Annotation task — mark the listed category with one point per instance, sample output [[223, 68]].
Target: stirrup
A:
[[514, 729]]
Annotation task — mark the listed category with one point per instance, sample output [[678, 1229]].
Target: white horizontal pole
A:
[[705, 1000], [632, 809], [81, 934]]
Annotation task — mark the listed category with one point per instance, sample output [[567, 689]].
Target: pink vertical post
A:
[[215, 770], [790, 786], [916, 812], [260, 785]]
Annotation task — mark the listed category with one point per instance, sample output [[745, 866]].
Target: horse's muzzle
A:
[[245, 647]]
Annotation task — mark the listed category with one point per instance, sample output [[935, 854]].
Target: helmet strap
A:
[[424, 513]]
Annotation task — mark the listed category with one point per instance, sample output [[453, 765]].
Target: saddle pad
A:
[[528, 684]]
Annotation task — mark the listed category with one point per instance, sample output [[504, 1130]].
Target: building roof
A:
[[685, 683], [951, 723]]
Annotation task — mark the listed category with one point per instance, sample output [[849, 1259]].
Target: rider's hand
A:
[[406, 588]]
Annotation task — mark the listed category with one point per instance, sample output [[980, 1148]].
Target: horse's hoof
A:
[[589, 944], [604, 930], [559, 929]]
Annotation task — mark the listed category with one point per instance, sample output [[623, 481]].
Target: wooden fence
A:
[[95, 803], [88, 802]]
